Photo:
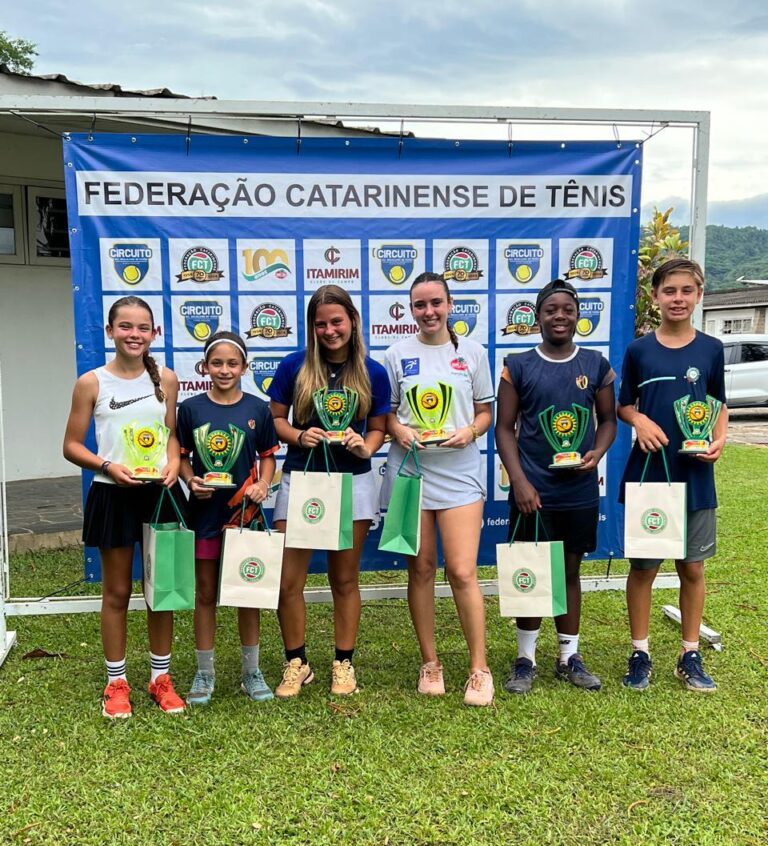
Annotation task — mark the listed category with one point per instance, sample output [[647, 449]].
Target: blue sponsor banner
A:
[[234, 235]]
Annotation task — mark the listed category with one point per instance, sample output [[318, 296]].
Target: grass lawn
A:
[[387, 767]]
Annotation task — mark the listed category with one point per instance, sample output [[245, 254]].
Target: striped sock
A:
[[159, 665], [116, 670]]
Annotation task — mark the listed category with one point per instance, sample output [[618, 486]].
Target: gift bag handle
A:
[[666, 466], [267, 527], [539, 522], [329, 459], [156, 516], [411, 453]]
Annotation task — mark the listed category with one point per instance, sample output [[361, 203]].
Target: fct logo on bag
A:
[[252, 570], [313, 510], [523, 261], [201, 317], [131, 261], [653, 521], [523, 580]]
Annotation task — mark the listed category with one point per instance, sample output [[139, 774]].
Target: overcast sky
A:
[[675, 54]]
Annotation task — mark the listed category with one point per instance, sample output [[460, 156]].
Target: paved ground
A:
[[48, 512]]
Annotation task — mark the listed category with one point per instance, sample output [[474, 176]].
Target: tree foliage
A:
[[733, 252], [659, 241], [17, 53]]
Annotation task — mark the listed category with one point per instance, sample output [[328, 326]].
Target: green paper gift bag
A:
[[169, 562], [531, 577], [401, 531], [319, 508]]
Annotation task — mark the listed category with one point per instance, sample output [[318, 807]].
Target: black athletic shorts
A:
[[575, 527]]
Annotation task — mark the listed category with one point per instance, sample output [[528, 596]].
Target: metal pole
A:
[[697, 235], [7, 639]]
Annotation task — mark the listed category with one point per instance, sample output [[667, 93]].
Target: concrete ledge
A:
[[34, 541]]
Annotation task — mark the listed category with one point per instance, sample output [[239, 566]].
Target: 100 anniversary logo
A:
[[199, 265], [462, 265], [521, 319], [262, 262], [268, 321], [131, 261]]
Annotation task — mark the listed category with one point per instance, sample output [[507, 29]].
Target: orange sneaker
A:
[[116, 704], [161, 690]]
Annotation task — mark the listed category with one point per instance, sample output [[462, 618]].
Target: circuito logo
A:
[[313, 510], [260, 263], [396, 261], [590, 311], [252, 570], [201, 317], [263, 370], [268, 321], [653, 521], [462, 264], [523, 580], [131, 261], [521, 319], [199, 265], [464, 316], [586, 263], [523, 261]]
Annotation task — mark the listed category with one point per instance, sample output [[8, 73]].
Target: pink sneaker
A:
[[479, 688], [431, 679]]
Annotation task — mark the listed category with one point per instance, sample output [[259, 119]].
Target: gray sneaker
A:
[[521, 676], [577, 674], [255, 688], [202, 688]]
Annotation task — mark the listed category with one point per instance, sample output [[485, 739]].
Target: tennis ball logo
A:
[[697, 412], [131, 274], [335, 404], [429, 400], [131, 261], [201, 331], [313, 510], [252, 570], [523, 580], [218, 442], [397, 274], [584, 326], [524, 273], [461, 327], [653, 521], [563, 424], [145, 438]]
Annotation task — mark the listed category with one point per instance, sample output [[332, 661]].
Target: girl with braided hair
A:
[[443, 382], [129, 389]]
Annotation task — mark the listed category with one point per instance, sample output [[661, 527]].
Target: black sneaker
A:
[[638, 675], [690, 671], [577, 674], [521, 677]]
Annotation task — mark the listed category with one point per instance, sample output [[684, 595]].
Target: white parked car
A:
[[746, 370]]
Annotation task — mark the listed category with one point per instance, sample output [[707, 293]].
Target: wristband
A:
[[475, 431], [103, 468], [298, 440]]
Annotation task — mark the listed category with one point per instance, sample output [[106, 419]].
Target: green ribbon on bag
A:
[[154, 522], [255, 521], [647, 461]]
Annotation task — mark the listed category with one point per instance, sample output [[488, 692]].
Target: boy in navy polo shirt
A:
[[674, 361], [556, 373]]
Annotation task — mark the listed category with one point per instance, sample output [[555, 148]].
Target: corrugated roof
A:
[[115, 90], [738, 297]]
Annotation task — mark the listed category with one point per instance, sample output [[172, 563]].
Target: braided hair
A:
[[428, 276], [149, 362]]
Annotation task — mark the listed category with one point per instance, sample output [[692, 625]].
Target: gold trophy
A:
[[336, 409], [430, 406], [218, 451], [696, 421], [564, 431], [145, 445]]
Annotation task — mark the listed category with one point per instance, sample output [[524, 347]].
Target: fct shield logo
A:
[[464, 316], [199, 265], [462, 264], [262, 262], [268, 321], [586, 263], [590, 311], [263, 370], [396, 261], [131, 261], [521, 319], [523, 261], [201, 318]]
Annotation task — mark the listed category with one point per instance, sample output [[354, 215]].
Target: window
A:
[[754, 352], [711, 324], [11, 240], [734, 327], [48, 228], [731, 353]]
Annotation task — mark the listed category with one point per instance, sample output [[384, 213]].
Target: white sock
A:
[[569, 645], [526, 644], [159, 665], [690, 646], [641, 646], [116, 670]]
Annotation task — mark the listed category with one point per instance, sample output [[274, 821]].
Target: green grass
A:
[[387, 767]]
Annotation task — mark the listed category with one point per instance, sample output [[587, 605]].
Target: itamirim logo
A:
[[523, 580], [252, 570], [313, 510], [653, 521]]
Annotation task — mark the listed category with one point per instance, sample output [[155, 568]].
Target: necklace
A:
[[338, 366]]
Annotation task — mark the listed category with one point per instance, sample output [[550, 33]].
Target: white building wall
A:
[[720, 315], [37, 348]]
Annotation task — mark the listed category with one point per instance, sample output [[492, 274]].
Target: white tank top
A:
[[121, 402]]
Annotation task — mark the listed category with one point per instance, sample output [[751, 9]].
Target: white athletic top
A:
[[122, 402]]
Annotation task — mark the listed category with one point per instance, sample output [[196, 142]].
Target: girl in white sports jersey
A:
[[429, 372], [130, 389]]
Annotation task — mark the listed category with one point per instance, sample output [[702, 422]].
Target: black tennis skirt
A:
[[114, 515]]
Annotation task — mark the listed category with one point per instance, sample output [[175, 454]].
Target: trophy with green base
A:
[[564, 431], [430, 406], [145, 445], [336, 408], [696, 421], [218, 451]]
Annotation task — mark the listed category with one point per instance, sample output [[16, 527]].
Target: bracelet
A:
[[298, 440], [103, 468], [475, 431]]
